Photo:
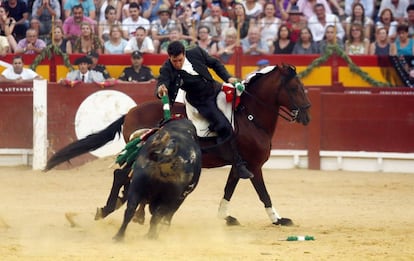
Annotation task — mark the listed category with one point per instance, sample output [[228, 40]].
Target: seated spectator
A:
[[367, 4], [357, 44], [125, 9], [410, 20], [141, 42], [175, 35], [17, 73], [269, 24], [296, 22], [386, 20], [193, 7], [358, 16], [150, 9], [7, 26], [205, 41], [72, 24], [404, 44], [382, 46], [136, 72], [110, 20], [4, 46], [19, 11], [187, 24], [116, 6], [228, 44], [305, 44], [58, 40], [35, 25], [307, 7], [43, 11], [94, 56], [130, 24], [329, 38], [253, 8], [116, 44], [320, 20], [88, 8], [397, 7], [241, 21], [253, 44], [283, 44], [216, 22], [31, 44], [83, 74], [88, 41], [161, 27]]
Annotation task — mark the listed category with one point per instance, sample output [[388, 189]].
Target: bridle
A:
[[290, 115]]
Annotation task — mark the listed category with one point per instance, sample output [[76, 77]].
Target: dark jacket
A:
[[201, 61]]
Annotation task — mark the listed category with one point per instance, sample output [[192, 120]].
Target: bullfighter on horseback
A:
[[188, 70]]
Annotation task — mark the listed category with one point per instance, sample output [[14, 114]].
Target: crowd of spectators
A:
[[361, 27]]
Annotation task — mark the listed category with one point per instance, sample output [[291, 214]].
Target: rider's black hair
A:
[[175, 48]]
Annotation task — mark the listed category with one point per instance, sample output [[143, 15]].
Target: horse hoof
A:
[[283, 222], [118, 238], [232, 221]]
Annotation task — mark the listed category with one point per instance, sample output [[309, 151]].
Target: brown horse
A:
[[255, 123]]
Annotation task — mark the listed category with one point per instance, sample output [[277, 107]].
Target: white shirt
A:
[[318, 30], [27, 74], [131, 26], [147, 46], [188, 67], [399, 12]]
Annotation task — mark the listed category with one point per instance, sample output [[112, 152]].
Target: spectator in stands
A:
[[72, 24], [88, 9], [227, 8], [397, 7], [410, 20], [253, 8], [386, 20], [216, 22], [116, 44], [305, 44], [17, 73], [382, 46], [307, 7], [357, 44], [35, 25], [130, 24], [150, 9], [175, 35], [137, 72], [206, 42], [7, 26], [31, 44], [43, 11], [358, 16], [116, 6], [195, 6], [367, 4], [105, 25], [404, 44], [94, 56], [141, 42], [241, 21], [125, 8], [19, 11], [161, 27], [253, 44], [320, 20], [88, 41], [57, 39], [187, 24], [4, 46], [83, 74], [283, 44], [329, 38], [296, 22], [269, 24], [228, 44]]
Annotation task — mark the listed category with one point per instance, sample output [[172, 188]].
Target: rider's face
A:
[[177, 61]]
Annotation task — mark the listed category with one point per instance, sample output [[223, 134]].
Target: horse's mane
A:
[[288, 70]]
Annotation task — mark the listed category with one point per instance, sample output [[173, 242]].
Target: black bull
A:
[[166, 170]]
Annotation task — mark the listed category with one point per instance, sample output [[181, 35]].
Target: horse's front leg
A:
[[260, 187], [223, 211]]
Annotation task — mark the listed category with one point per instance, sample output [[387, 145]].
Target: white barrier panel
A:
[[39, 124]]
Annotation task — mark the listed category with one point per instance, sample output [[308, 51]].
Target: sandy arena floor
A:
[[358, 216]]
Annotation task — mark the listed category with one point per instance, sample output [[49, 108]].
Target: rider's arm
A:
[[163, 82]]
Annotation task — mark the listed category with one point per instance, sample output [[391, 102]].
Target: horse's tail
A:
[[89, 143]]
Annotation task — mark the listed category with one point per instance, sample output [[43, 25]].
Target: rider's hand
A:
[[232, 80], [162, 90]]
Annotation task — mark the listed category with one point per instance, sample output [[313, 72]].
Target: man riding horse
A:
[[188, 70]]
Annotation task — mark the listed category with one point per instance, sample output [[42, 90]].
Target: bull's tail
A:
[[89, 143]]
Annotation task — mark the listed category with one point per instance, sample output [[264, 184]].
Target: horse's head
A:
[[292, 95]]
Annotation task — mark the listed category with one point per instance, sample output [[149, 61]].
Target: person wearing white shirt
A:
[[141, 42], [368, 7], [130, 24], [397, 7], [318, 22], [17, 73]]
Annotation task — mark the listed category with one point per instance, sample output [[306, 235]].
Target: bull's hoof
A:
[[99, 214], [232, 221], [118, 238], [283, 222]]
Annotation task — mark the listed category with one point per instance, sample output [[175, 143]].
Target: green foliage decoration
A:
[[47, 52], [334, 48]]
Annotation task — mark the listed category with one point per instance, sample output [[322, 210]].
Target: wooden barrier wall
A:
[[370, 119]]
